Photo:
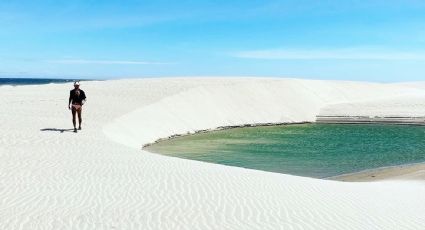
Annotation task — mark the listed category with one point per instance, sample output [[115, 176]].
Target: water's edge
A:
[[375, 174], [394, 120], [224, 128]]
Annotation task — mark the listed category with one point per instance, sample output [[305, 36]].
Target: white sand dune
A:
[[100, 178], [411, 105]]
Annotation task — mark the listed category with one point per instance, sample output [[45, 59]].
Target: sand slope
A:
[[51, 178]]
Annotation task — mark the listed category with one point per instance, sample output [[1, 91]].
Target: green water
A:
[[314, 150]]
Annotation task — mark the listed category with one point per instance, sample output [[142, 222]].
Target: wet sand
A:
[[402, 172]]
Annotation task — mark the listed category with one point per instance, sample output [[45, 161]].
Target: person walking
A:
[[77, 97]]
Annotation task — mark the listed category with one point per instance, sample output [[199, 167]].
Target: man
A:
[[77, 97]]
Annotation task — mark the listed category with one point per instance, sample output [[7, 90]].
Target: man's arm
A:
[[83, 96], [70, 99]]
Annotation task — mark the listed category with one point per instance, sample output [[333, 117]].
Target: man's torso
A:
[[77, 96]]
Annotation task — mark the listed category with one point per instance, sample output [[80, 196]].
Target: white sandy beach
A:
[[52, 178]]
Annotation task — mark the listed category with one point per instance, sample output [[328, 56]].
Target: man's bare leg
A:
[[74, 122], [79, 117]]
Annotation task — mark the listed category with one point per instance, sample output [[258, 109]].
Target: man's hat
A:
[[76, 83]]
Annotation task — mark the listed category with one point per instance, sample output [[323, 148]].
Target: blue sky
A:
[[348, 40]]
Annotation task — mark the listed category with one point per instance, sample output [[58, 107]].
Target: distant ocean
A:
[[31, 81]]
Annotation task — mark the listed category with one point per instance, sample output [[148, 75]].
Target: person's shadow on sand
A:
[[57, 130]]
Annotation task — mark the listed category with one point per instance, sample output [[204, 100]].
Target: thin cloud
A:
[[105, 62], [319, 54]]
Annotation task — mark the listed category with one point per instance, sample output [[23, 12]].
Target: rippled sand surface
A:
[[100, 178]]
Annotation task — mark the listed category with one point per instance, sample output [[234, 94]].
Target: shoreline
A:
[[14, 82], [413, 171], [393, 120], [220, 128]]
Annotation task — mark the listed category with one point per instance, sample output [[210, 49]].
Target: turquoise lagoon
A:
[[313, 150]]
